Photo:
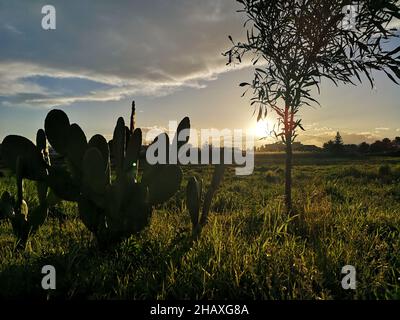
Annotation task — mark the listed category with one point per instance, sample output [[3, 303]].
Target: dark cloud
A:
[[135, 46]]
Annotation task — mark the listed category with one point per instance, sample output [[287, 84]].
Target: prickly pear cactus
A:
[[194, 200], [7, 204], [112, 209], [31, 162]]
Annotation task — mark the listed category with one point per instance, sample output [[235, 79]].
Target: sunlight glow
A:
[[262, 128]]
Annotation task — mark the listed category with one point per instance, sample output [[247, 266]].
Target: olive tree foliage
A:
[[294, 44]]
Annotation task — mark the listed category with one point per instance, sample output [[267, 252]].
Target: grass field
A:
[[347, 212]]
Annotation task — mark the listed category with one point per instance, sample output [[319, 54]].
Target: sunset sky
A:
[[165, 55]]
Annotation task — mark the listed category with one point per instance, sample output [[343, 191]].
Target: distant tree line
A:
[[337, 147], [383, 146]]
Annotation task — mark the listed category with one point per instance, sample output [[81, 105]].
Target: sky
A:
[[167, 56]]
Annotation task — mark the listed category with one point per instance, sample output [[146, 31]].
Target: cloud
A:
[[136, 47], [11, 29], [18, 91]]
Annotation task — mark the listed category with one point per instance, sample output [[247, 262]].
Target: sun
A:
[[262, 129]]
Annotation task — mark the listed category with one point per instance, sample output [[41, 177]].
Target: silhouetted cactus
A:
[[112, 209], [69, 141], [27, 161], [132, 123], [194, 200], [7, 204]]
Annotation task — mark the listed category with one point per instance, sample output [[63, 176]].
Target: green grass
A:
[[347, 212]]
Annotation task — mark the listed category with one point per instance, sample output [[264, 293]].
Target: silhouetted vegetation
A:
[[348, 213], [279, 146], [379, 147], [337, 147], [294, 44], [169, 242]]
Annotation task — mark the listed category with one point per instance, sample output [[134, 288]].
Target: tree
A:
[[338, 139], [329, 146], [396, 142], [388, 145], [338, 146], [350, 148], [363, 147], [335, 146], [377, 147], [293, 44]]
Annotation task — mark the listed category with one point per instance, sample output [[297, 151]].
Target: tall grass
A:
[[346, 213]]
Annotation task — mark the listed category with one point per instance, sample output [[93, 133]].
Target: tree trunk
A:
[[289, 126], [288, 175]]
